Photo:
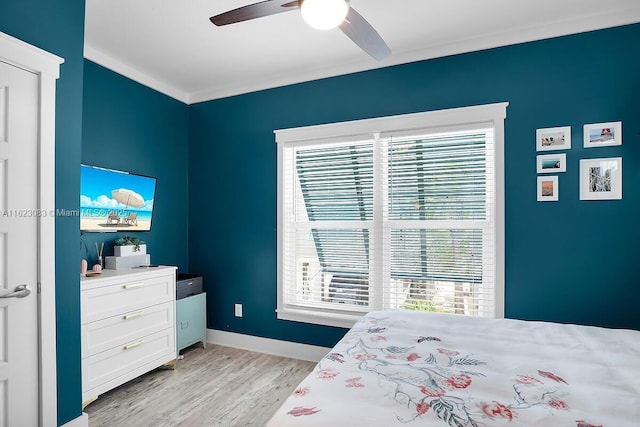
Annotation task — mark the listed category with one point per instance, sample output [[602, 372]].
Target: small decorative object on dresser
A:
[[128, 326], [127, 245], [129, 252], [98, 265]]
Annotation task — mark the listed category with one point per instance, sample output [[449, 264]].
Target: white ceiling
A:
[[171, 46]]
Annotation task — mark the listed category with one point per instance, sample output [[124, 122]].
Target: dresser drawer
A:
[[117, 330], [117, 365], [126, 296]]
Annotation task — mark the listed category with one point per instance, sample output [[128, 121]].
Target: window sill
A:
[[340, 320]]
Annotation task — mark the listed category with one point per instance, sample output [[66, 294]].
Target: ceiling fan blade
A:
[[253, 11], [362, 33]]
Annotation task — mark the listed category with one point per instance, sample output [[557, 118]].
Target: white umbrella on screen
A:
[[127, 197]]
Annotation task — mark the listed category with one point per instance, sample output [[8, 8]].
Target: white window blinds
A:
[[438, 228], [328, 206], [406, 216]]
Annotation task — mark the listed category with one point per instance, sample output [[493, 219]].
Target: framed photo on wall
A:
[[558, 138], [551, 163], [547, 188], [602, 134], [601, 179]]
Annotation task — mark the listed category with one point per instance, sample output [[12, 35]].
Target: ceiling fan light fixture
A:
[[324, 14]]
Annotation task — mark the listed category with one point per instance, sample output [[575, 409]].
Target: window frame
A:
[[437, 121]]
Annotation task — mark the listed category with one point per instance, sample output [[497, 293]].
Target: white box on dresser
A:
[[126, 262], [127, 326]]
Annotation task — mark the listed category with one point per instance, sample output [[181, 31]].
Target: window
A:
[[402, 212]]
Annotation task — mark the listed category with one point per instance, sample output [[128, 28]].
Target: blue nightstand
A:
[[191, 320]]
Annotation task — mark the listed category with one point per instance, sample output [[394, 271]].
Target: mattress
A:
[[434, 369]]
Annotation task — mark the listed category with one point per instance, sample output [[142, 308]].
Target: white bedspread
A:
[[431, 369]]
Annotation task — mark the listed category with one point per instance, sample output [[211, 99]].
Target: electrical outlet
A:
[[238, 310]]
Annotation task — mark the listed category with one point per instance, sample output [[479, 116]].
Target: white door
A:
[[18, 247]]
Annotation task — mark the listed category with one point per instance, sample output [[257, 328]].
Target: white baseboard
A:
[[311, 353], [81, 421]]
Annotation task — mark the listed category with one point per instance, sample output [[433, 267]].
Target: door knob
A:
[[20, 291]]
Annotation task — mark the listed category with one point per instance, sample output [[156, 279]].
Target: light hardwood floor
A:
[[216, 386]]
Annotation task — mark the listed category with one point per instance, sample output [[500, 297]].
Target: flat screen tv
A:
[[112, 200]]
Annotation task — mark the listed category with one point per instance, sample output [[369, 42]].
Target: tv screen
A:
[[112, 200]]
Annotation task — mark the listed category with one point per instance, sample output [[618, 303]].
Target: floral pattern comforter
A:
[[432, 369]]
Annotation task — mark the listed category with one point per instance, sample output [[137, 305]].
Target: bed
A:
[[433, 369]]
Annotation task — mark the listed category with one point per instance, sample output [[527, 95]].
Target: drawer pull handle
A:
[[135, 344], [132, 315], [184, 325], [132, 285]]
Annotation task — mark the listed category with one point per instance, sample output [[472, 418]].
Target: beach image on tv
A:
[[115, 201]]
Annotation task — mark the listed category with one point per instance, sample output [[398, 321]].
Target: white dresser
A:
[[128, 326]]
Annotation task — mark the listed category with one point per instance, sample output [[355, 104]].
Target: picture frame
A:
[[548, 188], [551, 163], [601, 179], [605, 134], [558, 138]]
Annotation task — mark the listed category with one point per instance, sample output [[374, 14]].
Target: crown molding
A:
[[606, 19], [135, 74]]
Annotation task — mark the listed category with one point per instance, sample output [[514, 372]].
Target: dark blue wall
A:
[[58, 27], [129, 127], [568, 261]]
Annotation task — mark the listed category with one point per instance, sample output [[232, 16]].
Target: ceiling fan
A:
[[321, 14]]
